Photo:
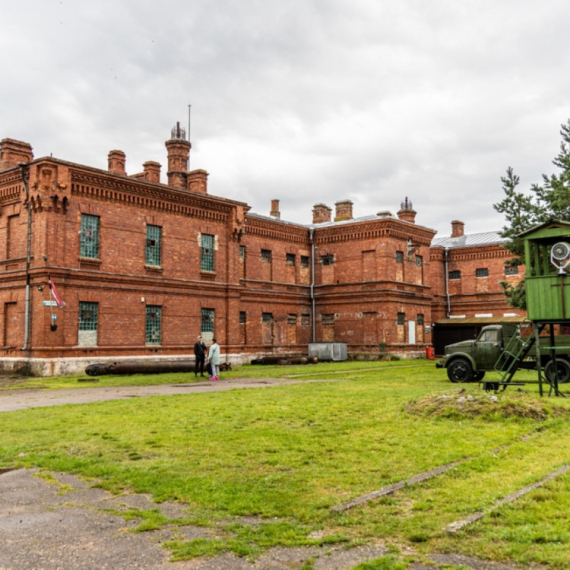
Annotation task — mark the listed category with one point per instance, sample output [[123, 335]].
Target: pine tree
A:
[[522, 211]]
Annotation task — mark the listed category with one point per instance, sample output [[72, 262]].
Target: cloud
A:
[[305, 101]]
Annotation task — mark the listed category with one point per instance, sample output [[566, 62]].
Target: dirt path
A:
[[24, 399]]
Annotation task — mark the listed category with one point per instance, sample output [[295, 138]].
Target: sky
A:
[[303, 101]]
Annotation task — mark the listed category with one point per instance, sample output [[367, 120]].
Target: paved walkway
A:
[[25, 399]]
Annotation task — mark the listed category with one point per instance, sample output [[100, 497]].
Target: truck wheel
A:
[[479, 375], [460, 370], [563, 370]]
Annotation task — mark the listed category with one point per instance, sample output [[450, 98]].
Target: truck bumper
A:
[[440, 364]]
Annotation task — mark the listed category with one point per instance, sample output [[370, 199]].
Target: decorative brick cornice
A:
[[276, 230], [481, 252], [163, 199], [374, 230], [11, 186]]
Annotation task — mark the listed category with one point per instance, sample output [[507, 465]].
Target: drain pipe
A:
[[313, 316], [28, 258], [447, 284]]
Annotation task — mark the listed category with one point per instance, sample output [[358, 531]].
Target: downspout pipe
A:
[[28, 259], [447, 283], [313, 315]]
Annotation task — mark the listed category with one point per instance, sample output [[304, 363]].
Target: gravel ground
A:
[[64, 524]]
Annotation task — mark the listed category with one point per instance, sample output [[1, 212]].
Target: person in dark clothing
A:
[[200, 354]]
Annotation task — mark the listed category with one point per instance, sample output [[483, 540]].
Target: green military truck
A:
[[496, 349]]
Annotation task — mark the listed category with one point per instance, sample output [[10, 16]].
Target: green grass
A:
[[287, 454], [320, 370]]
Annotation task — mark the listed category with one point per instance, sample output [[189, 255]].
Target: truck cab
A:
[[468, 360]]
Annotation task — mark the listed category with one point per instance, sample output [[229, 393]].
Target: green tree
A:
[[522, 211]]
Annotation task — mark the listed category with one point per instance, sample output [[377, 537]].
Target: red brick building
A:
[[144, 267]]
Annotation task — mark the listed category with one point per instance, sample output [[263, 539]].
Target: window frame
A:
[[207, 257], [153, 326], [481, 272], [89, 236], [153, 253], [454, 275]]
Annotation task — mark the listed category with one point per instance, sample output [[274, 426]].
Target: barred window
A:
[[207, 320], [207, 253], [89, 236], [267, 317], [511, 270], [290, 258], [88, 316], [153, 324], [420, 319], [266, 255], [304, 261], [327, 259], [242, 317], [399, 257], [153, 245], [456, 274], [482, 272], [242, 251], [401, 318], [419, 260], [328, 320]]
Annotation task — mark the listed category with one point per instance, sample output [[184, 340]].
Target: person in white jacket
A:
[[214, 358]]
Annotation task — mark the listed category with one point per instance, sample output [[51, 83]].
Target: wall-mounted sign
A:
[[49, 303]]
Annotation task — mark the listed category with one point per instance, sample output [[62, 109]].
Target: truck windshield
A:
[[489, 336]]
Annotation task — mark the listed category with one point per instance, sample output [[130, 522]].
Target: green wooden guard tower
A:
[[547, 259]]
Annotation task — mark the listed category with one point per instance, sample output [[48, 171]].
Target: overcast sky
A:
[[305, 101]]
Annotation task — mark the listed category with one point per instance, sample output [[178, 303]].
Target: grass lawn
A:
[[288, 454]]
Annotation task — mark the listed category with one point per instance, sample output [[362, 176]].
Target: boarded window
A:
[[290, 258], [328, 320], [306, 320], [291, 319], [304, 261]]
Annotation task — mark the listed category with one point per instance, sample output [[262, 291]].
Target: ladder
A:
[[515, 351]]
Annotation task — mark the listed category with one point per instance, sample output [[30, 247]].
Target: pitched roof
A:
[[468, 240]]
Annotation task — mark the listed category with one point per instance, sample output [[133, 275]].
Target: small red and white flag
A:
[[55, 294]]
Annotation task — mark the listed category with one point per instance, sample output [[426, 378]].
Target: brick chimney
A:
[[13, 152], [198, 181], [321, 213], [178, 150], [117, 160], [275, 213], [457, 228], [407, 212], [343, 211], [151, 171]]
